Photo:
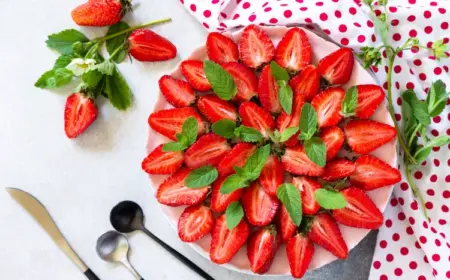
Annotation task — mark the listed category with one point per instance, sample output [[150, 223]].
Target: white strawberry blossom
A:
[[79, 65]]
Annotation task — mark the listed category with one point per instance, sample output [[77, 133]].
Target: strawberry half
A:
[[306, 83], [300, 251], [338, 168], [177, 92], [360, 211], [297, 162], [221, 49], [236, 157], [272, 175], [268, 91], [326, 233], [216, 109], [255, 47], [220, 201], [160, 162], [245, 80], [372, 173], [293, 120], [195, 74], [334, 138], [100, 13], [328, 106], [195, 222], [365, 136], [369, 98], [260, 208], [285, 225], [261, 248], [79, 114], [173, 192], [226, 243], [146, 45], [337, 67], [307, 187], [294, 50], [209, 149], [169, 122], [254, 116]]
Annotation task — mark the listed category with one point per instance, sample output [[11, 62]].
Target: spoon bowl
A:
[[127, 216]]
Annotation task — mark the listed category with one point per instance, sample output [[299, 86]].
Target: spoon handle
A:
[[91, 275], [128, 265], [179, 256]]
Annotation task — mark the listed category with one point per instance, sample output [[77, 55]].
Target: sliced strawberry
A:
[[79, 114], [160, 162], [294, 50], [293, 120], [372, 173], [220, 201], [337, 67], [236, 157], [272, 175], [221, 49], [365, 136], [300, 251], [268, 91], [254, 116], [307, 187], [360, 211], [255, 47], [146, 45], [328, 106], [334, 138], [297, 162], [260, 208], [261, 248], [169, 122], [193, 72], [216, 109], [209, 149], [338, 168], [173, 192], [285, 225], [326, 233], [177, 92], [195, 222], [245, 80], [369, 98], [226, 243], [306, 83]]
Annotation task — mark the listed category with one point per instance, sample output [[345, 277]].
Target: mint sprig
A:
[[221, 81], [285, 93], [308, 122], [233, 214], [289, 195], [228, 129], [201, 177], [316, 150], [186, 138], [350, 102], [330, 199]]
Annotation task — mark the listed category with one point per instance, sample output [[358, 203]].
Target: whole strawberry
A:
[[100, 12], [146, 45]]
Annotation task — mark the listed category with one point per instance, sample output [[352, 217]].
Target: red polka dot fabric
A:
[[409, 246]]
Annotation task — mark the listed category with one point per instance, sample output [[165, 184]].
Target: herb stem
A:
[[415, 189], [116, 51]]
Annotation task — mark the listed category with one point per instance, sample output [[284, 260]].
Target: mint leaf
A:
[[119, 94], [316, 151], [92, 77], [116, 42], [350, 102], [174, 147], [308, 122], [438, 141], [54, 78], [63, 41], [330, 199], [221, 81], [248, 134], [234, 214], [256, 162], [201, 177], [436, 98], [422, 154], [239, 171], [232, 183], [419, 108], [224, 128], [190, 130], [288, 133], [279, 72], [285, 95], [289, 195], [62, 61]]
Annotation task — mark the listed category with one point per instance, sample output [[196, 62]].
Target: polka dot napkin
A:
[[409, 246]]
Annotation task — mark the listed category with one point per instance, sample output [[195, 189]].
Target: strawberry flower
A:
[[79, 65]]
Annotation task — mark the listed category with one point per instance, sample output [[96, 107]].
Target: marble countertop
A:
[[79, 181]]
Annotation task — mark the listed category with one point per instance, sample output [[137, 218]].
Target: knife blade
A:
[[42, 216]]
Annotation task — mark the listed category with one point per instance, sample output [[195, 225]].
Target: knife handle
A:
[[91, 275]]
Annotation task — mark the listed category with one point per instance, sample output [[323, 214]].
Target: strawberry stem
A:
[[415, 189]]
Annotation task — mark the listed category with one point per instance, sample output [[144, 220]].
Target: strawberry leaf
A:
[[92, 77], [224, 128], [285, 95], [308, 122], [119, 94], [113, 44], [419, 108], [54, 78], [221, 81], [248, 134], [62, 61], [289, 195], [316, 151], [234, 214], [201, 177], [437, 98], [279, 72], [330, 199], [350, 102], [63, 41], [232, 183]]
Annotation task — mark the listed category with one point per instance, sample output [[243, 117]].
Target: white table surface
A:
[[80, 180]]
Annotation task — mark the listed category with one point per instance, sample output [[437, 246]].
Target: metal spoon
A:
[[127, 216], [113, 247]]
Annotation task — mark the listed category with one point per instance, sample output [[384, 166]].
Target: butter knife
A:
[[41, 215]]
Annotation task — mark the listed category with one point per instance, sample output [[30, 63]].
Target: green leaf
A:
[[288, 133], [419, 108], [234, 214], [409, 123], [381, 28], [62, 61], [106, 67], [190, 130], [232, 183], [201, 177], [308, 122], [316, 151], [119, 94], [221, 81], [54, 78], [92, 77], [279, 72], [422, 154], [174, 147], [285, 95], [350, 102], [289, 195], [439, 49], [239, 171], [63, 41], [248, 134], [439, 141], [116, 42], [330, 199], [256, 162], [437, 98], [224, 128]]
